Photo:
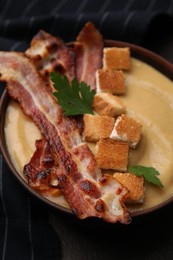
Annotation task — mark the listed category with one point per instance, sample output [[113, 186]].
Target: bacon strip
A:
[[89, 51], [40, 171], [87, 192], [49, 54]]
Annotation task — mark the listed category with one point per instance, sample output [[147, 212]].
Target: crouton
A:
[[116, 58], [112, 155], [97, 127], [128, 130], [108, 105], [134, 184], [111, 81]]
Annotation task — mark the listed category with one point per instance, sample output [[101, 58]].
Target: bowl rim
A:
[[143, 54]]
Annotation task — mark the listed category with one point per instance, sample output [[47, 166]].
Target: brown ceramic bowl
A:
[[140, 53]]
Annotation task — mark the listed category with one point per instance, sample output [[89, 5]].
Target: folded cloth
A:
[[25, 232]]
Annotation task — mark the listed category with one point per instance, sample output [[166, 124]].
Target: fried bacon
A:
[[89, 52], [49, 54], [41, 171], [87, 192]]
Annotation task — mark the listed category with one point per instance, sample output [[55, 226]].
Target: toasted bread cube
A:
[[111, 81], [134, 184], [112, 155], [97, 127], [107, 104], [128, 130], [116, 58]]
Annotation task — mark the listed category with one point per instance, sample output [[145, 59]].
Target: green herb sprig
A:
[[75, 98], [149, 174]]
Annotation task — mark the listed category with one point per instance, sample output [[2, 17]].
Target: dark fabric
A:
[[120, 20], [25, 232]]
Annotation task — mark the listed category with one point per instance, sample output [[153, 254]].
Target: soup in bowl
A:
[[148, 99]]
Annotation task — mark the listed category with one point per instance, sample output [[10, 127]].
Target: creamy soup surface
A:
[[149, 99]]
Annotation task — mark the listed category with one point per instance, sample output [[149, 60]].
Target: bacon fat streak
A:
[[89, 52]]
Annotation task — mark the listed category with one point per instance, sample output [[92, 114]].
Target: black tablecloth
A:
[[29, 230]]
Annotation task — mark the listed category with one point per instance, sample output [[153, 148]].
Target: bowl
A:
[[137, 52]]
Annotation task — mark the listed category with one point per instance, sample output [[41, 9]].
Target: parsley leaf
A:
[[75, 98], [149, 174]]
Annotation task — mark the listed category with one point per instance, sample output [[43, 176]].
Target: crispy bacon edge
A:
[[87, 192], [50, 53], [40, 171]]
